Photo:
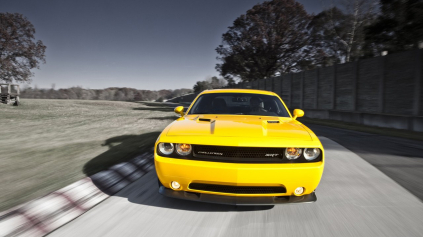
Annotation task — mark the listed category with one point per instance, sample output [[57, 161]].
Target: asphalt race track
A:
[[354, 199], [400, 159]]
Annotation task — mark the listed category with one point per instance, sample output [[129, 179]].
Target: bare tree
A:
[[348, 29]]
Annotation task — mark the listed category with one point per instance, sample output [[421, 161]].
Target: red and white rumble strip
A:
[[43, 215]]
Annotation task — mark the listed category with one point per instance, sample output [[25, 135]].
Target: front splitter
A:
[[237, 200]]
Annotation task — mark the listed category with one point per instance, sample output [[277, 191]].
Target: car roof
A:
[[238, 91]]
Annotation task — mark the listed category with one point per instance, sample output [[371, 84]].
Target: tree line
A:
[[113, 93]]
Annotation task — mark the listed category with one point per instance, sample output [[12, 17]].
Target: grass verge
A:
[[48, 144]]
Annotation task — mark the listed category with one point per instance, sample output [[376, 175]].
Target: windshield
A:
[[239, 103]]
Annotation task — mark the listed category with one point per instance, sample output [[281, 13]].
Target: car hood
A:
[[238, 126]]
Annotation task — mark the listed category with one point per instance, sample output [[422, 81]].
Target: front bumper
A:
[[237, 200], [289, 176]]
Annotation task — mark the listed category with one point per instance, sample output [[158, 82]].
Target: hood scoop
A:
[[204, 120], [273, 121]]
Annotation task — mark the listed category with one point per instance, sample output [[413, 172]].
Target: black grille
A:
[[239, 154], [236, 189]]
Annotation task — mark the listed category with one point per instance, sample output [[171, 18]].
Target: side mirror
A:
[[298, 113], [180, 110]]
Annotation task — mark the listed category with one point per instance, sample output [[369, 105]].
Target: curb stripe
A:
[[64, 205]]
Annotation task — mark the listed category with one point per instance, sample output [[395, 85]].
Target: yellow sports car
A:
[[241, 147]]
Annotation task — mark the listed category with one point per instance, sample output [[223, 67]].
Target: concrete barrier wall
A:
[[381, 91]]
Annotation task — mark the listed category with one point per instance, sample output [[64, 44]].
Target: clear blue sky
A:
[[153, 44]]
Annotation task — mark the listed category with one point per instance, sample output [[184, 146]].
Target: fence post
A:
[[382, 85], [290, 90], [417, 82], [334, 87], [302, 90], [280, 85], [354, 86], [316, 102]]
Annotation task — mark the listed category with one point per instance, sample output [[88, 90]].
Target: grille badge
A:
[[210, 153], [272, 155]]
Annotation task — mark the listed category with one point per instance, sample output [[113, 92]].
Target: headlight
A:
[[311, 153], [293, 153], [166, 148], [183, 149]]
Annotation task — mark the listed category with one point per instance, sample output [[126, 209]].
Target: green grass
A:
[[48, 144], [363, 128]]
